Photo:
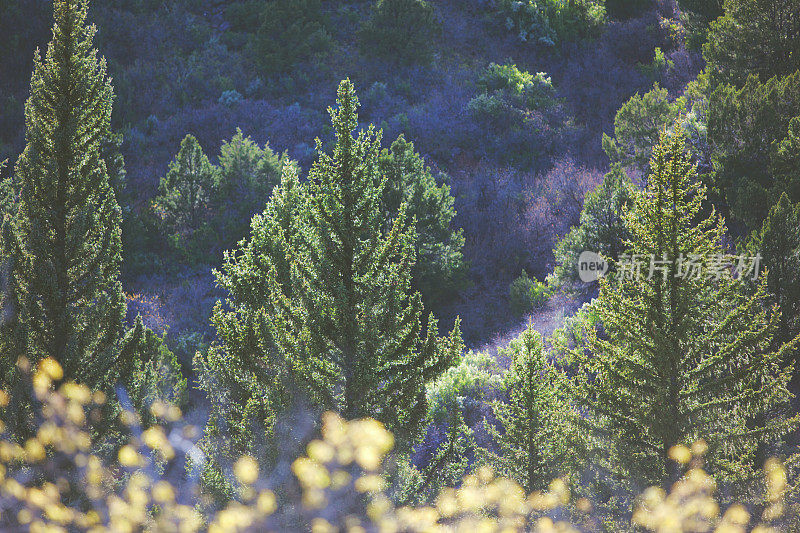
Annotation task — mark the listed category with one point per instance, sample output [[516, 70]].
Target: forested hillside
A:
[[400, 265]]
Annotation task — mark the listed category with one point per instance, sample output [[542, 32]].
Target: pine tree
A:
[[66, 231], [681, 357], [351, 333], [532, 432], [247, 175], [319, 303], [148, 371], [186, 190], [244, 375]]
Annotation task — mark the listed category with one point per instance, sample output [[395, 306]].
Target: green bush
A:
[[475, 374], [533, 91], [527, 294], [507, 94], [291, 31], [547, 22], [492, 108], [401, 29]]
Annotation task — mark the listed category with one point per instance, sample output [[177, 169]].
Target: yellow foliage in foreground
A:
[[54, 482]]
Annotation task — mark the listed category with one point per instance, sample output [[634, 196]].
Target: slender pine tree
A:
[[66, 242], [532, 434], [186, 191], [685, 354]]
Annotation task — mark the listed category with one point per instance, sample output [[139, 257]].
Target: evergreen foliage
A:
[[445, 466], [247, 175], [291, 31], [681, 357], [601, 228], [637, 126], [550, 22], [778, 242], [244, 375], [186, 191], [402, 30], [440, 270], [320, 304], [65, 241], [62, 247], [350, 332], [758, 37], [531, 435], [754, 139], [526, 294], [150, 372]]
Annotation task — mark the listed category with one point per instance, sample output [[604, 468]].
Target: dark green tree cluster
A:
[[401, 30], [778, 243], [753, 132], [205, 208], [758, 37], [291, 31], [320, 303], [637, 126], [440, 270], [62, 245]]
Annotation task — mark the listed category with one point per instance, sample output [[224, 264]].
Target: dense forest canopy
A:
[[400, 265]]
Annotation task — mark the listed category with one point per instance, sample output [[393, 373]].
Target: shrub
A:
[[291, 31], [533, 91], [55, 483], [230, 98], [527, 294], [522, 114], [547, 22], [403, 30], [470, 381]]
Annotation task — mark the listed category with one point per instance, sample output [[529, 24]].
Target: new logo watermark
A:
[[591, 267]]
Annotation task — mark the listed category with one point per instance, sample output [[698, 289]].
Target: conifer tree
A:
[[682, 357], [247, 175], [532, 428], [148, 371], [778, 242], [185, 192], [66, 231], [351, 333], [244, 375], [320, 305]]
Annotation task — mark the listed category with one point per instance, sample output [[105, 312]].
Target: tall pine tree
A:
[[351, 333], [66, 231], [685, 354], [320, 303]]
